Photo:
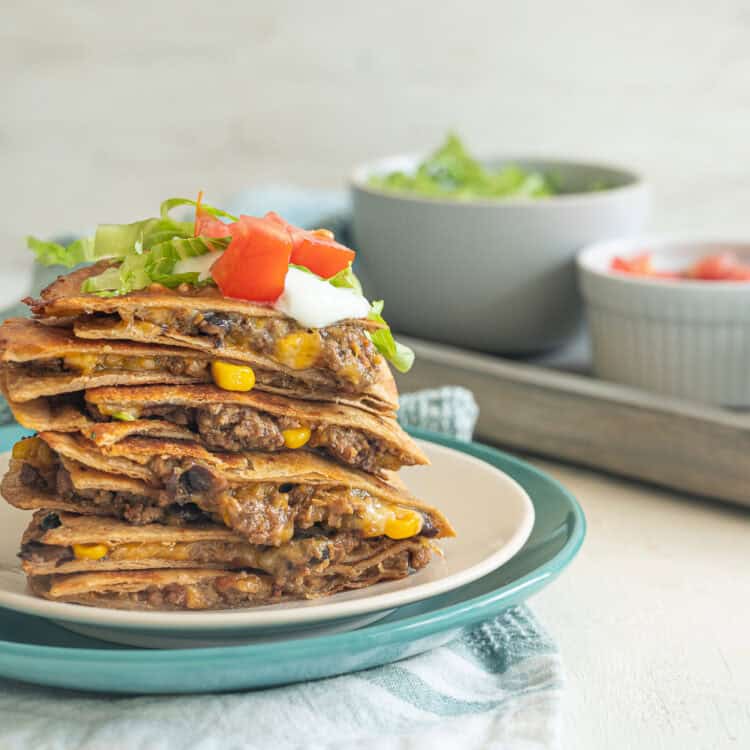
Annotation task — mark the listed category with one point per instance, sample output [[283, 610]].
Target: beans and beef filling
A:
[[87, 364], [344, 355], [271, 513], [231, 427], [238, 589], [264, 512], [304, 555]]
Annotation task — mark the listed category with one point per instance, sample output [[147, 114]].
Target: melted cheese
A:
[[299, 350], [173, 551], [88, 363]]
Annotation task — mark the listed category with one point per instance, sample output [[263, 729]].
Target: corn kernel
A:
[[298, 350], [405, 524], [326, 233], [25, 448], [230, 377], [34, 450], [90, 551], [296, 438]]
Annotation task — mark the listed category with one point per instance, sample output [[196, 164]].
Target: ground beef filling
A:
[[264, 512], [44, 554], [136, 509], [181, 366], [346, 356], [238, 428], [244, 589]]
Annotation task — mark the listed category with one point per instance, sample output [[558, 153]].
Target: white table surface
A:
[[653, 619]]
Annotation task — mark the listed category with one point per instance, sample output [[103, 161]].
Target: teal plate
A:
[[36, 650]]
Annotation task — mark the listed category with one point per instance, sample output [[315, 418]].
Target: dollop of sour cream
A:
[[200, 264], [314, 303]]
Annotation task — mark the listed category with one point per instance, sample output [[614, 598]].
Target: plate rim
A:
[[454, 616]]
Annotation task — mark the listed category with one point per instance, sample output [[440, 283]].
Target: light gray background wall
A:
[[108, 107]]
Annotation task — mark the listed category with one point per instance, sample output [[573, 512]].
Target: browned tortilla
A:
[[27, 341], [185, 588], [384, 429]]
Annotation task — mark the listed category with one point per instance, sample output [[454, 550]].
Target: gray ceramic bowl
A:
[[493, 275]]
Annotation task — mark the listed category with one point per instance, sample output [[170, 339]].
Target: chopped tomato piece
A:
[[724, 266], [639, 264], [321, 255], [719, 267], [255, 264], [315, 249], [209, 226]]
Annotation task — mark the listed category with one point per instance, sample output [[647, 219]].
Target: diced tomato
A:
[[315, 249], [209, 226], [639, 264], [255, 264], [321, 255], [276, 219], [719, 267]]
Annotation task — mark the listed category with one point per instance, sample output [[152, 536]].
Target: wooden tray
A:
[[552, 406]]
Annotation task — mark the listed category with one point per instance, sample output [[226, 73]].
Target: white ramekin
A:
[[683, 338]]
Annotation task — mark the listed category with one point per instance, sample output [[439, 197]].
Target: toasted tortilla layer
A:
[[57, 542], [144, 316], [91, 492], [39, 361], [264, 497], [225, 420], [205, 588]]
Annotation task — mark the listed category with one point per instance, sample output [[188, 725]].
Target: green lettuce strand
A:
[[54, 254], [399, 355], [171, 203], [123, 416], [120, 240], [156, 266], [191, 247], [347, 280]]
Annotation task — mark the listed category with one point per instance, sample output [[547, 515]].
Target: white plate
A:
[[491, 513]]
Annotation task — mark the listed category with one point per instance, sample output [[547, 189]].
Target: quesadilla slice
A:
[[60, 543], [336, 358], [229, 421], [266, 498], [44, 365], [351, 567]]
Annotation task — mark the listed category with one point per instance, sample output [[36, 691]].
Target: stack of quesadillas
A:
[[195, 451]]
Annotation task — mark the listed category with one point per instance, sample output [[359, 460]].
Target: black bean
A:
[[428, 528], [286, 487], [197, 479], [190, 512], [50, 521]]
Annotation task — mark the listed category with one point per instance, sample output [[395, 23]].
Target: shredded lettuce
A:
[[399, 355], [54, 254], [347, 280], [452, 172], [154, 267], [123, 416], [171, 203]]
